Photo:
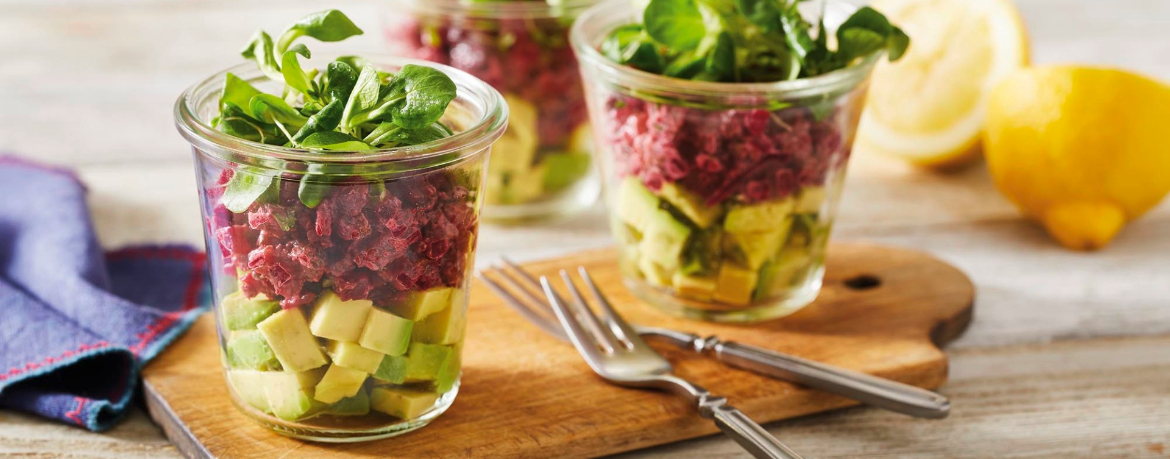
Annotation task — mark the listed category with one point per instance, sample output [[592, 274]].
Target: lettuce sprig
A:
[[746, 40], [350, 105]]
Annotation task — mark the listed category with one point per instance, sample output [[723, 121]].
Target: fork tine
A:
[[606, 337], [521, 307], [517, 282], [616, 323], [530, 279], [581, 339]]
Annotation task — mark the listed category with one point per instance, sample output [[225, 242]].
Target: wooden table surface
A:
[[1069, 354]]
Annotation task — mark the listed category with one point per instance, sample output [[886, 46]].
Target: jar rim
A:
[[475, 138], [614, 13], [500, 9]]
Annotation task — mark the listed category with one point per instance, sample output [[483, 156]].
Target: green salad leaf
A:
[[293, 75], [339, 81], [763, 13], [272, 110], [323, 121], [327, 26], [313, 188], [260, 49], [245, 187], [335, 141], [630, 45], [237, 91], [677, 24], [418, 96], [363, 98], [236, 122]]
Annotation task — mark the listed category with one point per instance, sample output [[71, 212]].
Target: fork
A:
[[871, 390], [617, 353]]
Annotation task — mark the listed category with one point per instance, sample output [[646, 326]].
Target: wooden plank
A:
[[1096, 399], [1090, 399], [525, 395], [136, 437]]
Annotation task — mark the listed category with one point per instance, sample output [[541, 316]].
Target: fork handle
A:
[[871, 390], [753, 438]]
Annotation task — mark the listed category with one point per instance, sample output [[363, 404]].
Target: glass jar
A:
[[342, 321], [541, 167], [721, 195]]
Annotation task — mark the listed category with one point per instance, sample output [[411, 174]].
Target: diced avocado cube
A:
[[386, 333], [249, 386], [760, 247], [694, 287], [759, 218], [629, 257], [339, 382], [419, 305], [402, 403], [248, 349], [288, 335], [656, 275], [287, 398], [581, 140], [241, 313], [664, 239], [635, 204], [448, 373], [269, 391], [690, 205], [307, 379], [564, 169], [354, 356], [810, 200], [816, 232], [339, 320], [782, 273], [735, 284], [443, 327], [425, 360], [516, 186], [624, 233], [516, 149], [358, 405], [392, 370]]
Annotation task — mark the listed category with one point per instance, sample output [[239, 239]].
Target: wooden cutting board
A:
[[883, 311]]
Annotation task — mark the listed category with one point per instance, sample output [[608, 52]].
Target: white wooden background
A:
[[1069, 355]]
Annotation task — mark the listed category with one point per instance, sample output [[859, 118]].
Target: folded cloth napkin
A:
[[79, 323]]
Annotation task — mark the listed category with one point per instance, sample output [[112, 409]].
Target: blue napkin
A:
[[78, 323]]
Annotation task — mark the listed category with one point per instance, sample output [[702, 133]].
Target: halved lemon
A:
[[929, 107]]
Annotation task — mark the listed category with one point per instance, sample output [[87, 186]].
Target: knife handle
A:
[[870, 390]]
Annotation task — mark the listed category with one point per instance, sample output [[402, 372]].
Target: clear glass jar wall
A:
[[721, 195], [341, 298], [541, 167]]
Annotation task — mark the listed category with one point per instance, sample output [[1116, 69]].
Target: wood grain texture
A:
[[1100, 399], [1090, 399], [526, 395]]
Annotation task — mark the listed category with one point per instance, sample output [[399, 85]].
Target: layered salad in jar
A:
[[342, 283], [542, 163], [722, 179]]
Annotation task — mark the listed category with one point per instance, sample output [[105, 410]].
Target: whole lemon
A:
[[1081, 150]]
